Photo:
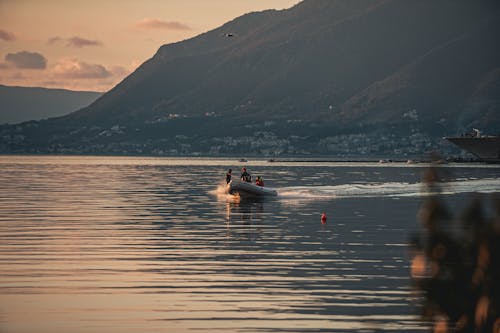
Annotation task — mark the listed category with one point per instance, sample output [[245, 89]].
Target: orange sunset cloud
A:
[[150, 23]]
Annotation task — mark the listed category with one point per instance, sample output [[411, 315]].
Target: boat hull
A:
[[249, 190], [485, 148]]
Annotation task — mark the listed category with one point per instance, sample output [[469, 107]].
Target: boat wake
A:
[[390, 189]]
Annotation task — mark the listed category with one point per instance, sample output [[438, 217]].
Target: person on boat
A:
[[259, 181], [245, 176], [228, 176]]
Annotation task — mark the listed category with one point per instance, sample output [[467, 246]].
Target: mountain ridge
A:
[[18, 104]]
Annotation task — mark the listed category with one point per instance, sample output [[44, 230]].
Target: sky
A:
[[94, 44]]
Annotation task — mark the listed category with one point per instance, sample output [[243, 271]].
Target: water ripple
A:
[[101, 244]]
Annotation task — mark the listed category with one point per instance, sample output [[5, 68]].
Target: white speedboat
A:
[[249, 190]]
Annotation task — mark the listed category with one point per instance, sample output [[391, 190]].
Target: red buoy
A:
[[323, 218]]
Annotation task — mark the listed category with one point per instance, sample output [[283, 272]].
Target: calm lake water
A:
[[115, 244]]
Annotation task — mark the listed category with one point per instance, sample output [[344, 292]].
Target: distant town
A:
[[120, 140]]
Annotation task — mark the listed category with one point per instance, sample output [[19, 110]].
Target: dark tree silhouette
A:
[[456, 262]]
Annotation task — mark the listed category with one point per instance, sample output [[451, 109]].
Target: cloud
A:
[[82, 42], [7, 36], [75, 41], [26, 60], [69, 73], [119, 71], [71, 68], [150, 24], [54, 40]]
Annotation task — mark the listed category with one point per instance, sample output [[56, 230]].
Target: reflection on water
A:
[[100, 244]]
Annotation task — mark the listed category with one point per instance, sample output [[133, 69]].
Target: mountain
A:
[[329, 77], [18, 104]]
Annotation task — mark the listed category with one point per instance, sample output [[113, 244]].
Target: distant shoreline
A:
[[249, 159]]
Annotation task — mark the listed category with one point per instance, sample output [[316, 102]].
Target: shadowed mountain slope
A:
[[19, 104]]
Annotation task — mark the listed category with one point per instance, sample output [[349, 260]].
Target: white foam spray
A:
[[389, 189]]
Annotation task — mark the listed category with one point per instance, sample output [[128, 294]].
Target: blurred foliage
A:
[[455, 261]]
